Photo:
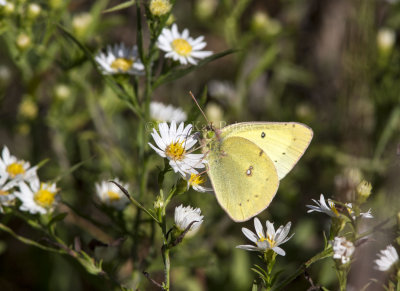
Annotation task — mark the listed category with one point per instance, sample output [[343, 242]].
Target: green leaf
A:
[[178, 73], [57, 218], [120, 6]]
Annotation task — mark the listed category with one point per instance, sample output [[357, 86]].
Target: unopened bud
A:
[[159, 203], [171, 19], [81, 23], [363, 191], [28, 108], [385, 39], [62, 92], [160, 7], [33, 10], [23, 41]]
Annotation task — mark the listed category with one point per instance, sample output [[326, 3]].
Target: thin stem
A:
[[167, 267]]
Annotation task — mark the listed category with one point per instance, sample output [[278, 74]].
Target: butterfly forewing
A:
[[283, 142], [243, 176]]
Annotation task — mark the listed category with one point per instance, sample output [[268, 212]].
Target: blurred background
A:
[[333, 65]]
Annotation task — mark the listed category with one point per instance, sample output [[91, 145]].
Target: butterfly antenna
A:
[[194, 98]]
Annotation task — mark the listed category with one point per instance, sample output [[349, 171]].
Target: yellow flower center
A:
[[333, 208], [160, 7], [15, 169], [2, 192], [122, 64], [44, 197], [268, 239], [196, 179], [181, 47], [113, 196], [175, 151]]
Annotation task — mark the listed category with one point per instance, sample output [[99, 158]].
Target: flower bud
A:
[[81, 23], [214, 113], [28, 108], [33, 10], [160, 7], [363, 191], [9, 8], [159, 203], [262, 24], [62, 92], [23, 41], [171, 19], [385, 39], [205, 8]]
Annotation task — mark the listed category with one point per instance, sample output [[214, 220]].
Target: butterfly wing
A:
[[243, 177], [283, 142]]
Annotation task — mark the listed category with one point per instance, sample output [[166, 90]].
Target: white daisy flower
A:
[[367, 214], [111, 195], [387, 258], [195, 181], [184, 216], [120, 60], [3, 2], [161, 112], [181, 47], [342, 249], [323, 207], [265, 241], [6, 191], [15, 169], [174, 144], [37, 197]]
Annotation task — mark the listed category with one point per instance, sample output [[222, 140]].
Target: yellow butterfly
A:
[[247, 160]]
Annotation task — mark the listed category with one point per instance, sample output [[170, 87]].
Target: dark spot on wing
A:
[[249, 171], [260, 154], [263, 134], [256, 196], [285, 124], [248, 200], [240, 204], [294, 139], [275, 161], [283, 153], [294, 125]]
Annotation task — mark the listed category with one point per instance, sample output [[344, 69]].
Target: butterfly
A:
[[246, 161]]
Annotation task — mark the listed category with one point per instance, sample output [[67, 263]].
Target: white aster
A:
[[168, 113], [327, 208], [367, 214], [6, 191], [181, 47], [342, 249], [184, 216], [120, 60], [37, 197], [14, 169], [174, 144], [111, 195], [269, 240], [387, 258]]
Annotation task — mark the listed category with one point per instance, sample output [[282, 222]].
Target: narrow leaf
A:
[[120, 6]]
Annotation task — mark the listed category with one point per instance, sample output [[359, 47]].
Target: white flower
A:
[[174, 143], [120, 60], [387, 258], [15, 169], [367, 214], [265, 241], [111, 195], [6, 194], [222, 89], [161, 112], [323, 207], [37, 197], [184, 216], [181, 47], [195, 181], [342, 249], [3, 2]]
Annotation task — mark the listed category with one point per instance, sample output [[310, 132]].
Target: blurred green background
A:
[[333, 65]]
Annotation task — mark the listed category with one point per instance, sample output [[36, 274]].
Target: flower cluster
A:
[[19, 180], [342, 249]]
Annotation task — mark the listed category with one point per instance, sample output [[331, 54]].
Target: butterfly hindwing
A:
[[243, 176], [283, 142]]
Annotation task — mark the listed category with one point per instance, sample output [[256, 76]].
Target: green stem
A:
[[167, 266]]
